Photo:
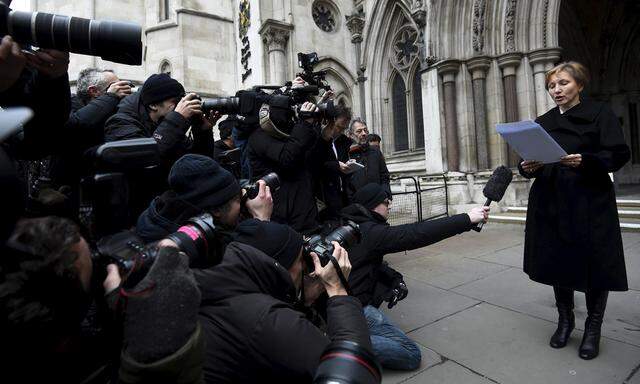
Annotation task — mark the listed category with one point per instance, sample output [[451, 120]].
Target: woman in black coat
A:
[[573, 239]]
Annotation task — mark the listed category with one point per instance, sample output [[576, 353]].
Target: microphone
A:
[[495, 188]]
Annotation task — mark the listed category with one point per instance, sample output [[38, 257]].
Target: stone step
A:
[[623, 212], [631, 224]]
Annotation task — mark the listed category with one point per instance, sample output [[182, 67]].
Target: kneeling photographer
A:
[[370, 211], [253, 332], [200, 185]]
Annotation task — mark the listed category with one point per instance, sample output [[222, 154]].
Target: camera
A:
[[271, 179], [197, 239], [307, 61], [346, 362], [346, 235], [115, 41]]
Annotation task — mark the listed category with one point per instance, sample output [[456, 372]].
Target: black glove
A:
[[162, 310], [399, 292]]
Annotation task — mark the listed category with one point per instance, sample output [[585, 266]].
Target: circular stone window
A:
[[325, 15]]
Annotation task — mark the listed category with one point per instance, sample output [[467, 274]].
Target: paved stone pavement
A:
[[479, 319]]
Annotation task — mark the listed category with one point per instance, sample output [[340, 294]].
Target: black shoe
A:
[[596, 304], [566, 318]]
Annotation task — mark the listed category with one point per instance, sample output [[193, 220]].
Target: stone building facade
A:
[[431, 77]]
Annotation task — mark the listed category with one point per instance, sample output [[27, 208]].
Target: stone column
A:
[[355, 23], [275, 35], [448, 70], [478, 67], [541, 61], [509, 63]]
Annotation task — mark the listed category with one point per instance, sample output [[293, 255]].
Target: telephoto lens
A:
[[346, 362], [197, 239], [116, 41], [224, 105], [271, 179]]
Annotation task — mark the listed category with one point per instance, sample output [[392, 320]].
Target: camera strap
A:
[[267, 125], [343, 280]]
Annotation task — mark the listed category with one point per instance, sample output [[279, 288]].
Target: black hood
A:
[[245, 270], [359, 214]]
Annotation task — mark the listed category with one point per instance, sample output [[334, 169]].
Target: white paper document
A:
[[353, 166], [531, 141]]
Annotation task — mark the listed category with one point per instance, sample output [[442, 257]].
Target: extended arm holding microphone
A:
[[495, 188]]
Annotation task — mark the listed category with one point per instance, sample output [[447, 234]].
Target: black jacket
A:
[[165, 215], [379, 238], [83, 130], [375, 168], [50, 100], [294, 203], [572, 236], [253, 334], [132, 121], [231, 161], [331, 186]]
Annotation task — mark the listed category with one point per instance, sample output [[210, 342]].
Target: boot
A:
[[566, 319], [596, 304]]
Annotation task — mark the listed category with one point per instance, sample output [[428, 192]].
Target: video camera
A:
[[115, 41], [276, 111]]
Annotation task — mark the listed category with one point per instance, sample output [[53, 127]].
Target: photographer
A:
[[39, 81], [198, 184], [162, 110], [252, 330], [224, 150], [294, 203], [371, 211], [97, 98], [51, 331], [375, 167]]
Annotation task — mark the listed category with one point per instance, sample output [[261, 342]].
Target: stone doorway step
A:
[[628, 211]]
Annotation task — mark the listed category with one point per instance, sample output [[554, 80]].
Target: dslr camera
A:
[[347, 236]]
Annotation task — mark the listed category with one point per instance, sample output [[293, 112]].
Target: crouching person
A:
[[370, 211], [252, 331]]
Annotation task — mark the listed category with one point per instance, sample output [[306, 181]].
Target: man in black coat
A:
[[375, 167], [334, 173], [97, 98], [289, 155], [371, 211], [224, 150], [162, 110], [252, 330]]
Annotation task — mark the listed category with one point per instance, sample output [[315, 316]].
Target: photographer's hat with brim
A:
[[160, 87], [278, 241], [202, 182], [370, 196]]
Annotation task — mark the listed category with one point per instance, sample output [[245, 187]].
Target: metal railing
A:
[[420, 200]]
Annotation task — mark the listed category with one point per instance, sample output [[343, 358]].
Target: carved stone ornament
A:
[[544, 23], [478, 25], [355, 24], [510, 24], [244, 17], [405, 46], [275, 38], [324, 16]]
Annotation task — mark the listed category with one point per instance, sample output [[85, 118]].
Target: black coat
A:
[[379, 238], [83, 130], [50, 100], [375, 169], [573, 233], [291, 158], [332, 183], [252, 331], [132, 121]]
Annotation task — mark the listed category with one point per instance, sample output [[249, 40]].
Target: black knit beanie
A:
[[202, 181], [160, 87], [278, 241], [370, 196]]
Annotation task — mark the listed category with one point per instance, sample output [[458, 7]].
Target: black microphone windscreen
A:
[[498, 183]]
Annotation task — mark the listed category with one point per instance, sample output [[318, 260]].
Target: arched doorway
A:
[[605, 36]]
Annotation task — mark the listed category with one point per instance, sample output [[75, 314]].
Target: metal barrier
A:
[[420, 201]]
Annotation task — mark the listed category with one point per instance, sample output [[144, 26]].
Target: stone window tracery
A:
[[325, 16]]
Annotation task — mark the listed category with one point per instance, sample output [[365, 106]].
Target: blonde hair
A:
[[578, 71]]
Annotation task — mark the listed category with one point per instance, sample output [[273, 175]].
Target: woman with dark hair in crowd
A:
[[572, 236]]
